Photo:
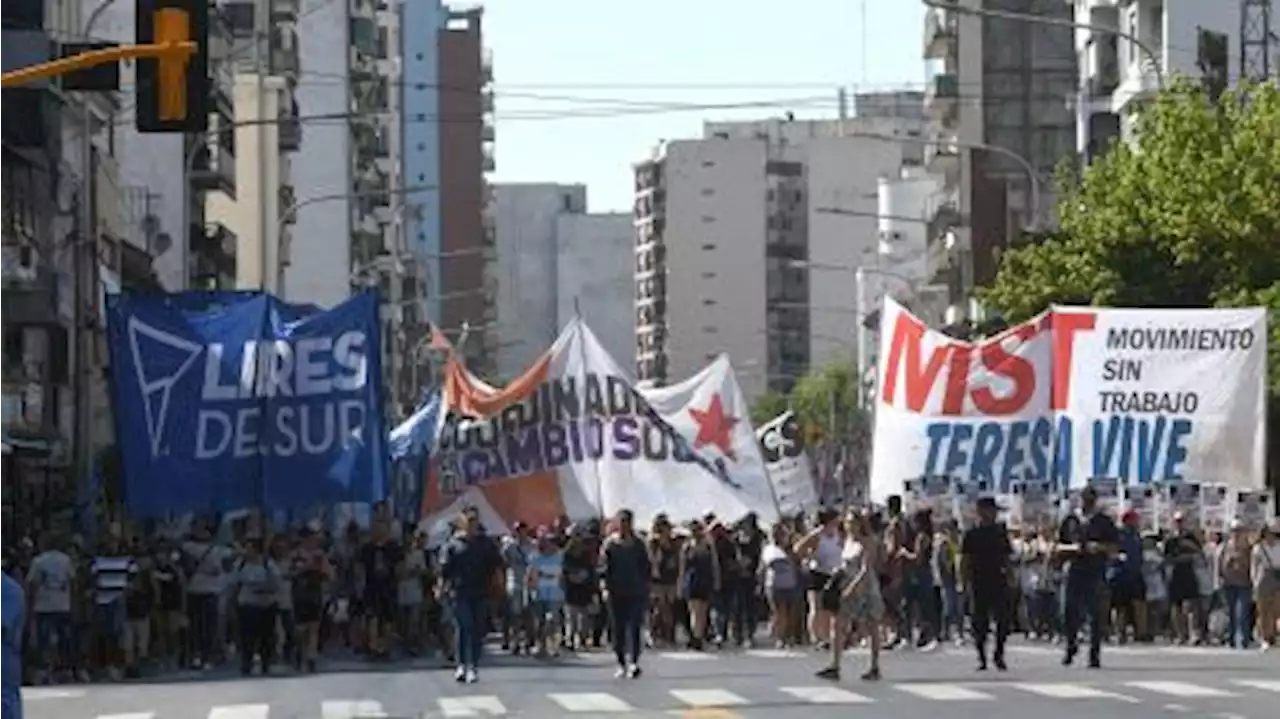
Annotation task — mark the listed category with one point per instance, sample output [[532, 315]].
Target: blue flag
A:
[[236, 399], [410, 445]]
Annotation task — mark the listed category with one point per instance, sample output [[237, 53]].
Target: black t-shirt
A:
[[727, 555], [1180, 549], [749, 545], [987, 551], [1100, 528], [379, 561]]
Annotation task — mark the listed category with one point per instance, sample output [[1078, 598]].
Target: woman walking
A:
[[861, 604]]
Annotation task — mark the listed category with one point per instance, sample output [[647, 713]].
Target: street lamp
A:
[[1156, 66]]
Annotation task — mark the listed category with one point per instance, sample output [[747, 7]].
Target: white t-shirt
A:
[[208, 560], [50, 576]]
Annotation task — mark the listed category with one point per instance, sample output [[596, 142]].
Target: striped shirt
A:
[[111, 577]]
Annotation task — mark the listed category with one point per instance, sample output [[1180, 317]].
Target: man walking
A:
[[985, 554], [469, 563], [1086, 543], [625, 576]]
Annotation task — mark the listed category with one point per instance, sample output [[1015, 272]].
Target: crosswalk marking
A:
[[590, 702], [352, 709], [689, 656], [240, 711], [708, 697], [1072, 691], [471, 706], [945, 692], [130, 715], [1180, 689], [35, 694], [826, 695], [1266, 685], [773, 653]]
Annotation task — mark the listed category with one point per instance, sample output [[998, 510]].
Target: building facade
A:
[[555, 260], [784, 205], [1002, 83]]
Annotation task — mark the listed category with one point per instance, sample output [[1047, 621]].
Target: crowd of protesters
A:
[[293, 599]]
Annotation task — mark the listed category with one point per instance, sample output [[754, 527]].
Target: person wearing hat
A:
[[1086, 542], [985, 564], [1232, 567]]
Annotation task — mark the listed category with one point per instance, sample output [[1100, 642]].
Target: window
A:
[[708, 163], [708, 191], [567, 202], [710, 330], [708, 218], [708, 275], [708, 302], [708, 247]]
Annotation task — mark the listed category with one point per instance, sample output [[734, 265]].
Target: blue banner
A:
[[410, 445], [237, 399]]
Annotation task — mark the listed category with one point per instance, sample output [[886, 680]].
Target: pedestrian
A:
[[468, 567], [854, 591], [985, 560], [1086, 542], [625, 576], [1265, 573]]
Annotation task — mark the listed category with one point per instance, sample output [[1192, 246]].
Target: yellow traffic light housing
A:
[[173, 89]]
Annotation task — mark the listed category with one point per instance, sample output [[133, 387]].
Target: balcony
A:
[[487, 132], [945, 215], [287, 202], [285, 61], [486, 103], [939, 34], [487, 163], [942, 97], [1140, 82], [214, 167], [30, 295], [362, 8], [942, 157], [213, 255], [486, 66], [284, 10]]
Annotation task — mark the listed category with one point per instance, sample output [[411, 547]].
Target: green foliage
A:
[[768, 406], [826, 401], [1188, 218]]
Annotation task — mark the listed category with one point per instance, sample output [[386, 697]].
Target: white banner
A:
[[1143, 396], [782, 446]]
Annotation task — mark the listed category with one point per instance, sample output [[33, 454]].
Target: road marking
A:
[[590, 702], [132, 715], [471, 706], [826, 695], [1180, 689], [944, 692], [1073, 691], [240, 711], [708, 697], [689, 656], [352, 709], [773, 653], [1268, 685], [35, 694]]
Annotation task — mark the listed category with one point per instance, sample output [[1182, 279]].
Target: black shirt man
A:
[[1086, 542], [985, 554]]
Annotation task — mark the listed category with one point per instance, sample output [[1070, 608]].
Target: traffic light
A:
[[173, 91]]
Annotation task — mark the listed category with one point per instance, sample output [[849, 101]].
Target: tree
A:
[[826, 402], [1188, 218], [767, 406]]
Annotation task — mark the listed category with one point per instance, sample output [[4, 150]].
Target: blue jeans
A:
[[1239, 601], [469, 629], [952, 611]]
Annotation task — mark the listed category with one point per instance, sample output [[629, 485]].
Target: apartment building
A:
[[748, 241], [256, 143], [1175, 37], [554, 260], [1003, 84]]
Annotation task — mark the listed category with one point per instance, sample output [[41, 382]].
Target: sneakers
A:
[[628, 671], [470, 676]]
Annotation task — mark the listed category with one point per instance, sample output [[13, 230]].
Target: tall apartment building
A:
[[748, 242], [256, 144], [554, 260], [1003, 83], [1184, 37], [447, 138]]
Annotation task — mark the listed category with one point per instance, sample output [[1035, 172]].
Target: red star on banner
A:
[[715, 427]]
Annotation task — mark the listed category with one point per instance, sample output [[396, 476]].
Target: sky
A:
[[585, 88]]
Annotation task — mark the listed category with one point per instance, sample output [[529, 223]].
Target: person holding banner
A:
[[1086, 545], [985, 561]]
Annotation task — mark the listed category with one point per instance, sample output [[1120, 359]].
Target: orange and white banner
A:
[[572, 438]]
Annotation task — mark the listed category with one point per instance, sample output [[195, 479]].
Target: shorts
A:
[[53, 629], [306, 612], [818, 580], [778, 596]]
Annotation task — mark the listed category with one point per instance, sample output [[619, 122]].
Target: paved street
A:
[[1136, 682]]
